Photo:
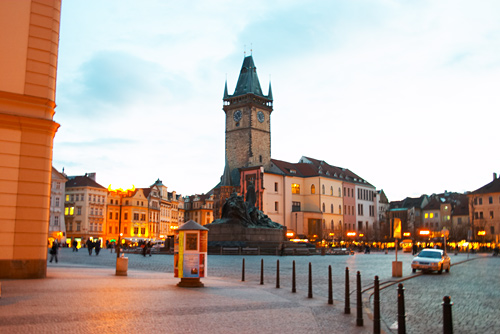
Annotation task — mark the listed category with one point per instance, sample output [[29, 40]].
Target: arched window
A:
[[340, 192], [340, 209], [323, 207], [331, 190], [313, 189], [331, 208], [323, 189]]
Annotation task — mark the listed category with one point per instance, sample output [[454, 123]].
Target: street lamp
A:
[[121, 264]]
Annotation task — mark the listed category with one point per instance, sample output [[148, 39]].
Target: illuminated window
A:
[[295, 188], [491, 214], [136, 230], [143, 230], [66, 211], [67, 198], [426, 215], [431, 215], [72, 211], [313, 189]]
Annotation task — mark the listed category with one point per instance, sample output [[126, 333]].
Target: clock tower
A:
[[248, 124]]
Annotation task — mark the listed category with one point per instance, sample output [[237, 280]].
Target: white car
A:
[[430, 259]]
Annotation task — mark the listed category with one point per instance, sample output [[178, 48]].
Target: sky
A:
[[403, 93]]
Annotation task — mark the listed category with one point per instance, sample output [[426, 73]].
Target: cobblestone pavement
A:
[[423, 293], [474, 289]]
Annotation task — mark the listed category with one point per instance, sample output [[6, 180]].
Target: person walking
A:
[[75, 246], [97, 246], [90, 245], [53, 251]]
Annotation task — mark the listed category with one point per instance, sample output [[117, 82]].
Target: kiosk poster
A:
[[192, 241], [203, 241], [191, 266], [202, 265]]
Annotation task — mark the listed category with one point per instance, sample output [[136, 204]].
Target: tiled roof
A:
[[82, 181], [492, 187], [433, 204], [308, 167]]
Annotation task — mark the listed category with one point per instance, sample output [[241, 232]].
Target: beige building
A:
[[57, 226], [85, 208], [199, 208], [484, 211], [29, 37]]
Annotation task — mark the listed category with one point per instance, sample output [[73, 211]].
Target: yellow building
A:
[[29, 41]]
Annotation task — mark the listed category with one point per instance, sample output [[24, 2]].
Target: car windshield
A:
[[434, 255]]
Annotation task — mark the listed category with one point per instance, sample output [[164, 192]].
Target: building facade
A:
[[29, 43], [85, 209], [57, 226], [484, 211]]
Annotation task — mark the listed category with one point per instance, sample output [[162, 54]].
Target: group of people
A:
[[146, 248], [93, 245]]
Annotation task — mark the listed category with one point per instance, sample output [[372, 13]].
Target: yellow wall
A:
[[29, 43]]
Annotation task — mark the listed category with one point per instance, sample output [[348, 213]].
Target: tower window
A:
[[313, 189], [295, 188], [260, 158]]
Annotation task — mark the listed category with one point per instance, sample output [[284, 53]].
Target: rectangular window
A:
[[110, 216], [67, 198], [136, 230], [276, 206], [276, 186], [116, 229], [143, 217], [125, 216], [143, 230], [77, 227], [56, 220], [491, 215], [136, 216], [125, 229], [459, 221], [295, 188], [480, 200], [481, 215], [78, 210], [490, 200], [431, 215], [426, 215], [295, 206], [110, 230]]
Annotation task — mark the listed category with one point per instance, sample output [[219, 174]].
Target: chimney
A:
[[494, 176]]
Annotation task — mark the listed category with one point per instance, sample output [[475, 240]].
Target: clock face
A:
[[260, 116], [237, 115]]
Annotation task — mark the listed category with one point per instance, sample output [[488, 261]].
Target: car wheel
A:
[[440, 271], [414, 270]]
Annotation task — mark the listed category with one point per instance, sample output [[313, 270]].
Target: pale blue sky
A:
[[403, 93]]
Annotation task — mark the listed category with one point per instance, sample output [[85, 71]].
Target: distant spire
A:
[[226, 95], [270, 92]]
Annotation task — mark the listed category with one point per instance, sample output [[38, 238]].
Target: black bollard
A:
[[277, 274], [262, 271], [359, 303], [447, 318], [293, 278], [243, 271], [330, 289], [376, 306], [347, 307], [401, 310], [310, 293]]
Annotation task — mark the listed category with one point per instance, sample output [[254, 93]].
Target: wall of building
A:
[[29, 44]]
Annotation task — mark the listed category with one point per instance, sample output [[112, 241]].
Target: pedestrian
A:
[[97, 247], [143, 246], [149, 248], [75, 246], [53, 251], [90, 245]]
